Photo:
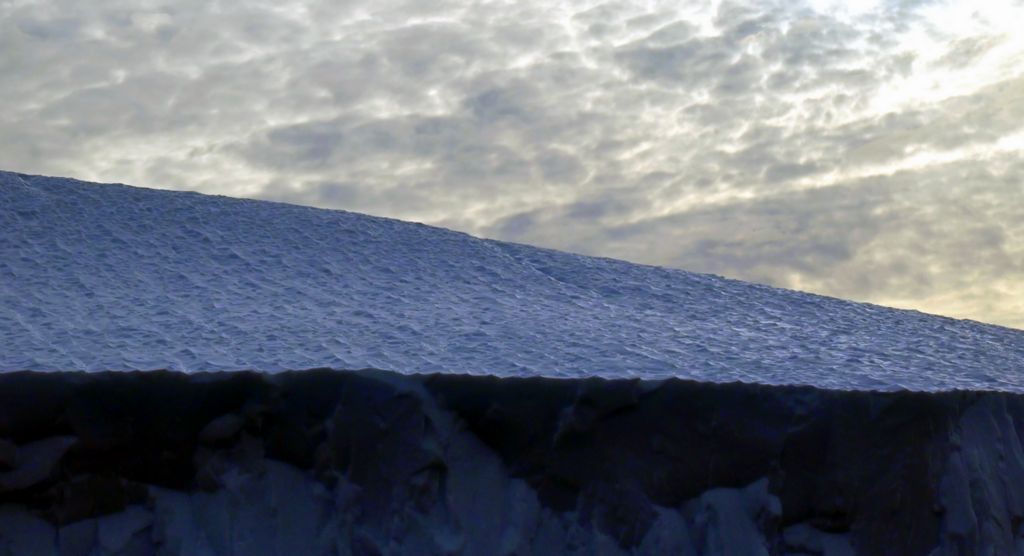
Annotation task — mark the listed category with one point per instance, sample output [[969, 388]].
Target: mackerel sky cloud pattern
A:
[[867, 150]]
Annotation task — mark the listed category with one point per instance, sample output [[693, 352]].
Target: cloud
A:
[[867, 153]]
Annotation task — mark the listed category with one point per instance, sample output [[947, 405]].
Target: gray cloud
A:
[[872, 155]]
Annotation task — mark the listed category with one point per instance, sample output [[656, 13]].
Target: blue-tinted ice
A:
[[103, 277]]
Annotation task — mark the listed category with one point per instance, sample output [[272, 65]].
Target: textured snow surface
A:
[[110, 277]]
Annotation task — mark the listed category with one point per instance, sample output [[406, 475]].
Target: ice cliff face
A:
[[371, 462], [108, 277]]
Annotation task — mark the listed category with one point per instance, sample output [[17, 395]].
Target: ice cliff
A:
[[373, 462], [527, 401]]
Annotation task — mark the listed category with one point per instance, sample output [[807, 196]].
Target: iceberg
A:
[[192, 374]]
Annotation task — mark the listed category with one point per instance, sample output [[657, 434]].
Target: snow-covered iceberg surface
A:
[[371, 462], [109, 277]]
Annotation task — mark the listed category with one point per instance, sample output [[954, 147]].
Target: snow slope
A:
[[110, 277]]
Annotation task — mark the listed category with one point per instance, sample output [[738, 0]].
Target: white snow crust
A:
[[110, 277]]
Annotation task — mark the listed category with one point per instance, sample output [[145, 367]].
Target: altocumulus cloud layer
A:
[[864, 150]]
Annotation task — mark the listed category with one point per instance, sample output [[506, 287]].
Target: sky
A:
[[869, 150]]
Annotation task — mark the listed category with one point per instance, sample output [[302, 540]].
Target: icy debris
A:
[[733, 521], [115, 532], [22, 533], [221, 428], [36, 462], [803, 539], [8, 455]]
